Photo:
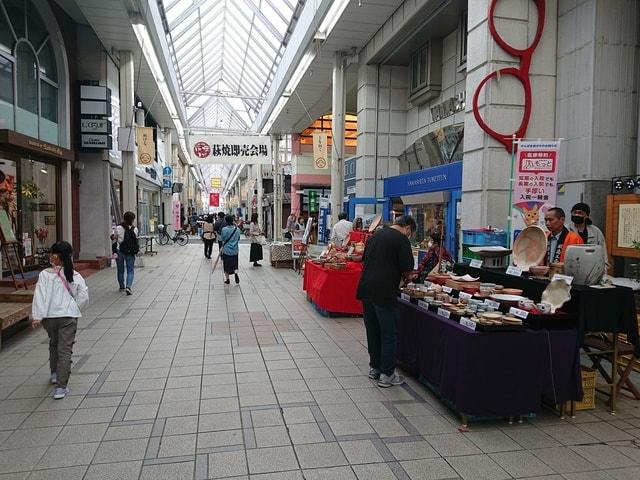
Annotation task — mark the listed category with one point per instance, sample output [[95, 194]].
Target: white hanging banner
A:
[[320, 151], [230, 149]]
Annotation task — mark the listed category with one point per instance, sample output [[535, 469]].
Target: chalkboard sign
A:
[[5, 228]]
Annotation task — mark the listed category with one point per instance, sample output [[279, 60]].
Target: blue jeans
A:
[[130, 260], [380, 324]]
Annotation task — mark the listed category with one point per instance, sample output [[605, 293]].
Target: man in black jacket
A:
[[387, 257]]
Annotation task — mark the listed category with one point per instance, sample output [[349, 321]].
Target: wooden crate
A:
[[589, 388]]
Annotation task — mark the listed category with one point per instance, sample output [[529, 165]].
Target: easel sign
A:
[[623, 225], [9, 242]]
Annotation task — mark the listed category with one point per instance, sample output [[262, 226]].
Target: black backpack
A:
[[129, 245]]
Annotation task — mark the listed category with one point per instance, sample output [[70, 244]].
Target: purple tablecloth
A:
[[489, 373]]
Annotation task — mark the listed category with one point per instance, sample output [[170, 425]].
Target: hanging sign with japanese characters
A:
[[146, 145], [535, 183], [230, 149], [320, 151]]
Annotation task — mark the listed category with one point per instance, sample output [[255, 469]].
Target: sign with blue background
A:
[[436, 179], [167, 171], [166, 183]]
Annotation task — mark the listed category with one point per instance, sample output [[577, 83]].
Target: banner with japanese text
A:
[[535, 183], [146, 145], [176, 222], [216, 182], [230, 149], [320, 151], [214, 199]]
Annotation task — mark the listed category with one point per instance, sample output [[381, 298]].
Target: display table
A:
[[333, 291], [357, 236], [610, 310], [488, 374]]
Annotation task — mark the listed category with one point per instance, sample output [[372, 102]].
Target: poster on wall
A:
[[320, 151], [146, 146], [535, 183], [628, 225], [175, 215], [214, 199], [230, 149]]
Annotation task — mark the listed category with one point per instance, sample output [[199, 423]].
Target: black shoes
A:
[[227, 281], [237, 278], [256, 264]]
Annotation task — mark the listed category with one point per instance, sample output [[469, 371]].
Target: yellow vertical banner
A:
[[216, 182], [146, 147], [320, 151]]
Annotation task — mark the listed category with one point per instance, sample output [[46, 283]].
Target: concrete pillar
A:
[[168, 156], [487, 164], [259, 194], [337, 132], [127, 102], [95, 211], [277, 189]]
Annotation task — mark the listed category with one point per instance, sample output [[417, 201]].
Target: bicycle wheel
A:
[[182, 239], [163, 238]]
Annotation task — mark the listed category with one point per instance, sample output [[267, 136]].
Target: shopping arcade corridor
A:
[[189, 378]]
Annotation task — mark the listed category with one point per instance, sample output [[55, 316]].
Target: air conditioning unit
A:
[[177, 188]]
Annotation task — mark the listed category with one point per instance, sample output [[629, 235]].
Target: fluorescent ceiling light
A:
[[146, 46], [299, 73], [274, 114], [336, 10]]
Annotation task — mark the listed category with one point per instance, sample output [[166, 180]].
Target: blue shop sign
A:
[[436, 179]]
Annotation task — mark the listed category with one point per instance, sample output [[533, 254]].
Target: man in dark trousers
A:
[[218, 226], [387, 258]]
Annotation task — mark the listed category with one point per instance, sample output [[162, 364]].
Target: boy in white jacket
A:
[[60, 294]]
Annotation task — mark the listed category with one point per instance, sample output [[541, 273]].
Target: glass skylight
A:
[[225, 53]]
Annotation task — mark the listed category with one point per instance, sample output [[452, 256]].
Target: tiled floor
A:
[[191, 379]]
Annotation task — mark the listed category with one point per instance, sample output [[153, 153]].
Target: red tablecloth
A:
[[333, 290], [356, 236]]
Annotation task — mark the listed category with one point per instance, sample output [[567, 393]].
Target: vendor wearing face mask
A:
[[583, 226]]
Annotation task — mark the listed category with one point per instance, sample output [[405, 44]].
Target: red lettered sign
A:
[[214, 199]]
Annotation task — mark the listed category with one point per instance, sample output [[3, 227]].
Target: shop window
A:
[[462, 40], [27, 90], [38, 208], [6, 93], [30, 105], [419, 67]]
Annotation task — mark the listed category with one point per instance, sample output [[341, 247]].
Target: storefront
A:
[[148, 207], [432, 197], [31, 193]]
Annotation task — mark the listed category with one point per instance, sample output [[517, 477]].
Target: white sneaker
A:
[[60, 392], [387, 381]]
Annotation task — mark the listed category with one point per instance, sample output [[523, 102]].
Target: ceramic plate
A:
[[502, 297], [556, 294], [530, 247]]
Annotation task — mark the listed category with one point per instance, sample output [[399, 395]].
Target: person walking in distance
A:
[[208, 236], [386, 259], [255, 233], [59, 296], [230, 238], [218, 226], [128, 248]]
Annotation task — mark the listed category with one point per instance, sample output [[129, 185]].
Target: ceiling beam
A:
[[219, 94]]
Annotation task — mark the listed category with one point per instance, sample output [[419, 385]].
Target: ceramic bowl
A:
[[539, 270], [530, 247], [511, 291]]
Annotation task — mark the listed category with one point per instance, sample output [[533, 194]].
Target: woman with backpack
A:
[[128, 248], [59, 296], [208, 236]]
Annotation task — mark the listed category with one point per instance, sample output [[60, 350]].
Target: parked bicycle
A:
[[179, 236]]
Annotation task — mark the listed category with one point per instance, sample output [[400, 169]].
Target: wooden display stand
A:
[[10, 244]]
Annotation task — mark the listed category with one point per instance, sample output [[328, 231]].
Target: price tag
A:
[[423, 305], [447, 289], [405, 297], [566, 278], [518, 312], [513, 270], [465, 296], [492, 304], [470, 324], [444, 313], [476, 263]]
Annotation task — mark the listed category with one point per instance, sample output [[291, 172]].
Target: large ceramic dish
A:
[[374, 223], [502, 297], [556, 294], [530, 247]]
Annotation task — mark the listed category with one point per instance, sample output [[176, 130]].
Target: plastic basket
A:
[[484, 237]]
